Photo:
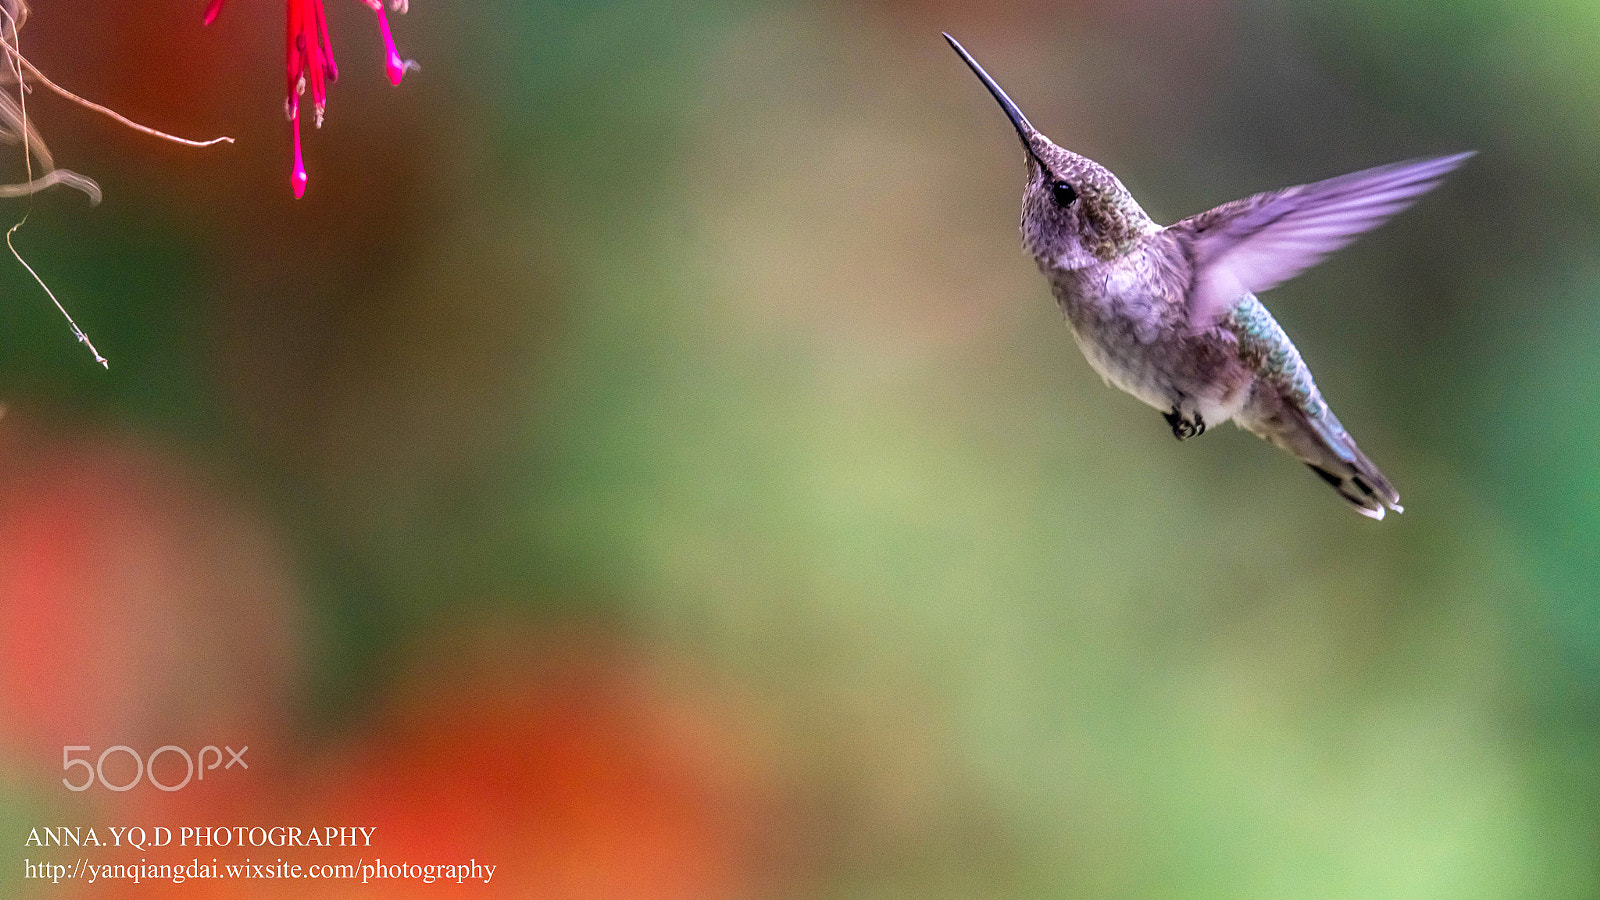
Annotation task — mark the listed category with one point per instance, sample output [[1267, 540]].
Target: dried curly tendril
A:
[[14, 125]]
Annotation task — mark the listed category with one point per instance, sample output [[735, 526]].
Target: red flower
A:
[[310, 61]]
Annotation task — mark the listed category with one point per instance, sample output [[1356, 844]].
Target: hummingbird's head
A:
[[1074, 211]]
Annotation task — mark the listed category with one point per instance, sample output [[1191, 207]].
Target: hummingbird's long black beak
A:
[[1025, 129]]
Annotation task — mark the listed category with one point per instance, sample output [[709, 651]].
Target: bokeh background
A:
[[645, 460]]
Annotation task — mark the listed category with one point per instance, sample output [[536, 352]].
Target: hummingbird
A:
[[1170, 315]]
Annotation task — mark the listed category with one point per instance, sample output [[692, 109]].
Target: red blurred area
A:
[[139, 603], [593, 773], [589, 772]]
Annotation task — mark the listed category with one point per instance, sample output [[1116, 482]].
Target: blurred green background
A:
[[646, 459]]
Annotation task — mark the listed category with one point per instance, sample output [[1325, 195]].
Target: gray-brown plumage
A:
[[1170, 314]]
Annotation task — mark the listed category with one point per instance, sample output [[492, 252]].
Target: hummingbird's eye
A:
[[1063, 193]]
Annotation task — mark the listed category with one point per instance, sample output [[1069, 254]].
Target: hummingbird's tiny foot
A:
[[1182, 426]]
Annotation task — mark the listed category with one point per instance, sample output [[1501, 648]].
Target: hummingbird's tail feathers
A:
[[1337, 460], [1366, 505], [1326, 448]]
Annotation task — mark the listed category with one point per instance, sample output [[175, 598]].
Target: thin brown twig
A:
[[45, 80]]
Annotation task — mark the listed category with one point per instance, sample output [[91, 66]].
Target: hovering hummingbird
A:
[[1170, 314]]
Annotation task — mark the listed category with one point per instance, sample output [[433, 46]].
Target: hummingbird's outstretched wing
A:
[[1253, 244]]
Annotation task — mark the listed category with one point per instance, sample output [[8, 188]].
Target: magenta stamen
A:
[[392, 62], [297, 175], [319, 91], [294, 56], [212, 8], [325, 39]]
